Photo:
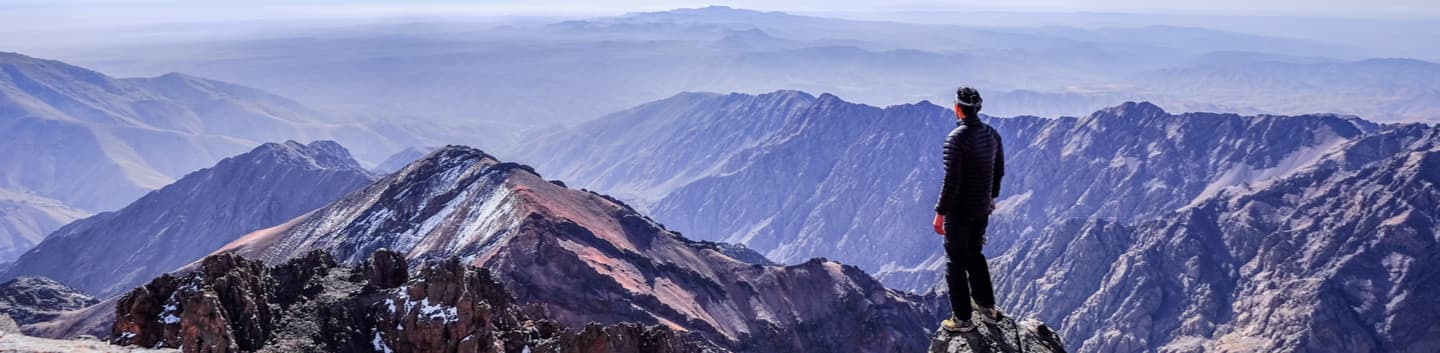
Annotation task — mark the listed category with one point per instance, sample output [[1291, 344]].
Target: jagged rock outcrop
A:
[[32, 299], [584, 257], [386, 269], [1005, 336], [187, 220], [312, 304]]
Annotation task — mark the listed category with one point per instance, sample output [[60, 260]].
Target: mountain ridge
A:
[[461, 202], [184, 221], [840, 180], [95, 143]]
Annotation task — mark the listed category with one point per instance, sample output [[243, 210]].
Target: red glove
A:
[[939, 224]]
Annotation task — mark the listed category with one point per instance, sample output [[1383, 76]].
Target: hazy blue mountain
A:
[[1138, 229], [26, 218], [75, 141], [645, 152], [1391, 89], [516, 77], [826, 177], [1332, 257], [97, 143], [184, 221], [401, 159]]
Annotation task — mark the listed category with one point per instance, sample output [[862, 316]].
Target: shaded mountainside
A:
[[401, 159], [312, 304], [645, 152], [1335, 257], [575, 254], [25, 219], [857, 183], [1132, 228], [184, 221], [29, 299]]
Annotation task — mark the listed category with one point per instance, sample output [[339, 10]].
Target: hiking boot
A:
[[954, 325], [991, 315]]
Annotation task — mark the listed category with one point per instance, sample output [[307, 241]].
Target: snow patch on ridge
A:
[[486, 219], [444, 313], [1244, 175]]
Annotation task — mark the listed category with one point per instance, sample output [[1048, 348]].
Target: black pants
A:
[[966, 271]]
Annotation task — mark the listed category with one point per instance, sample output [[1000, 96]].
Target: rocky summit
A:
[[576, 254], [1004, 336], [312, 304]]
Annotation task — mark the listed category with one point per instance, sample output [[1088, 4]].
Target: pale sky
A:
[[150, 10]]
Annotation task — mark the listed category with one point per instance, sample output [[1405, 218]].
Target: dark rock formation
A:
[[32, 299], [1005, 336], [310, 304], [386, 269]]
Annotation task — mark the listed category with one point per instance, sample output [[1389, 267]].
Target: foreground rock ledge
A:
[[310, 304], [1008, 336]]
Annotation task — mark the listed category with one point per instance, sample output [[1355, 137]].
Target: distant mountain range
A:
[[521, 77], [795, 176], [1333, 257], [1111, 223], [75, 141], [111, 252]]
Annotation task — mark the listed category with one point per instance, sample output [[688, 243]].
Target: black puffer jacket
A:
[[974, 164]]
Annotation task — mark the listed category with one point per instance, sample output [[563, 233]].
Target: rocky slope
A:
[[199, 213], [312, 304], [29, 300], [1333, 257], [1133, 228], [643, 153], [856, 183], [575, 254]]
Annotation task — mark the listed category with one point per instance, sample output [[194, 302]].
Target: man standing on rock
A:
[[974, 164]]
